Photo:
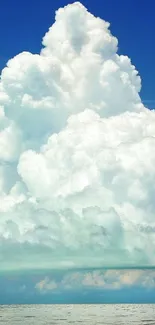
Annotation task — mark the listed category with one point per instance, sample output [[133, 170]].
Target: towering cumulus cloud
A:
[[77, 153]]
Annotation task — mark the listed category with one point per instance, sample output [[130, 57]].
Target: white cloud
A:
[[76, 152]]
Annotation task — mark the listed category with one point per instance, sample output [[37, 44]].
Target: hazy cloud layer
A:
[[102, 280], [77, 152]]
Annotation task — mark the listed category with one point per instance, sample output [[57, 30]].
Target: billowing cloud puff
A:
[[77, 158]]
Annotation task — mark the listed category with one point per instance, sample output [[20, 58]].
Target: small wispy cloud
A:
[[46, 285]]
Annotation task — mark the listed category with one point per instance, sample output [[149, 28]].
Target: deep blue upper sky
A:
[[24, 23]]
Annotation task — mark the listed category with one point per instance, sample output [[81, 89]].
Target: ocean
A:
[[77, 314]]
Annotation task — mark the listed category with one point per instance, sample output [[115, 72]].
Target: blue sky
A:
[[78, 286], [24, 23], [22, 26]]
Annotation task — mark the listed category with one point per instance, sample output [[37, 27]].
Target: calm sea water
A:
[[77, 314]]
